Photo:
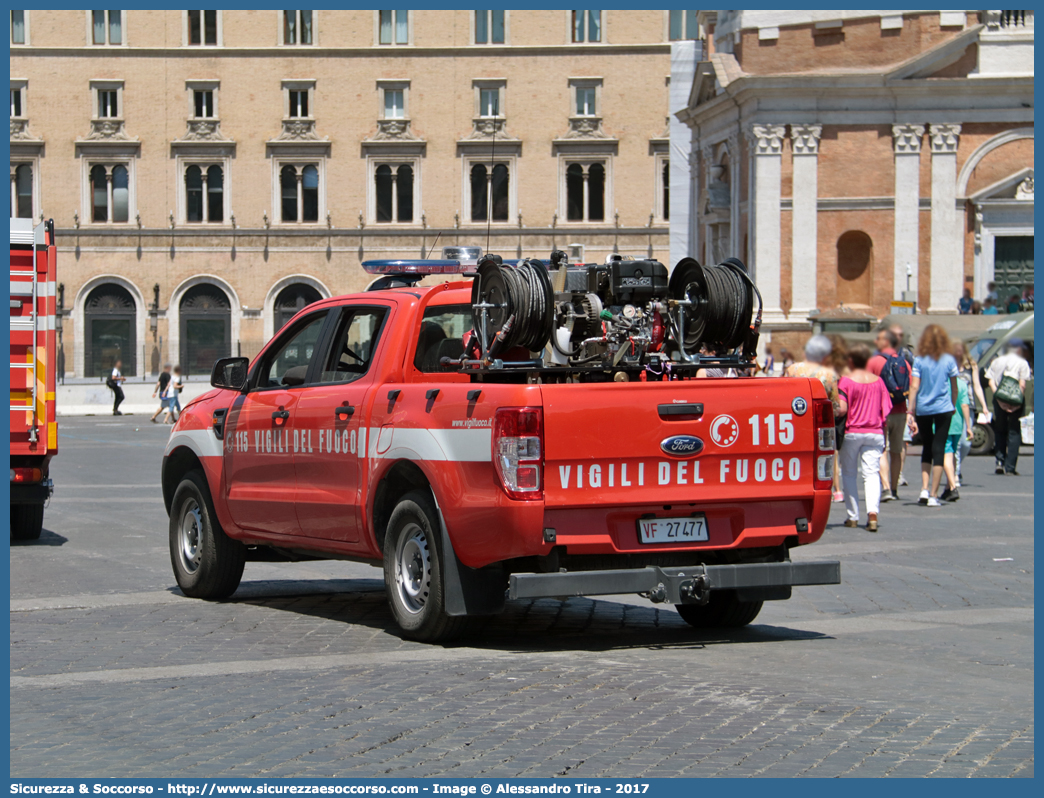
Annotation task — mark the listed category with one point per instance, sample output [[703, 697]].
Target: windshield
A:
[[979, 348], [441, 335]]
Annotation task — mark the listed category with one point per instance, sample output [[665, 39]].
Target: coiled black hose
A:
[[722, 300], [523, 292]]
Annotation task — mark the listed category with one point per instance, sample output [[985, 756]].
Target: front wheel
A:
[[207, 563], [413, 571], [723, 611], [26, 521]]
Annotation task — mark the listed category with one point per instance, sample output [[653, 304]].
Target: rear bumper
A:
[[32, 492], [687, 585]]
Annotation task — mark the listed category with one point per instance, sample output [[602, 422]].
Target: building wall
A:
[[632, 61]]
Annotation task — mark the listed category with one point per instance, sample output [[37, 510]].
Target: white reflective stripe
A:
[[451, 445], [21, 288], [48, 288], [201, 441]]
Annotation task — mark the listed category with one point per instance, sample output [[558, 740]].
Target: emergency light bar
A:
[[417, 267]]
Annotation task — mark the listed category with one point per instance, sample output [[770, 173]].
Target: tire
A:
[[982, 439], [207, 563], [723, 611], [26, 521], [413, 572]]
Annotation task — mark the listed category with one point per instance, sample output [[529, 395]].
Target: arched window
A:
[[120, 194], [383, 181], [310, 194], [288, 189], [99, 194], [194, 194], [596, 193], [575, 193], [23, 200], [499, 193], [292, 299], [404, 181], [478, 192], [206, 326], [855, 261], [215, 194], [110, 321]]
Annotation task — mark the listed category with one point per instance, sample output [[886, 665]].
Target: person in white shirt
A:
[[177, 385], [1004, 373], [114, 383]]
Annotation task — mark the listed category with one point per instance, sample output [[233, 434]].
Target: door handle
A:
[[680, 412], [344, 412], [279, 417]]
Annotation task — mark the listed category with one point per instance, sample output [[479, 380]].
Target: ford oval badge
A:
[[682, 446]]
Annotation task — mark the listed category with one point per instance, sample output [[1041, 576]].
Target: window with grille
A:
[[110, 193], [299, 193], [682, 25], [297, 27], [393, 192], [202, 28], [204, 193], [107, 27], [585, 192], [18, 27], [489, 27], [21, 191], [587, 26], [393, 27]]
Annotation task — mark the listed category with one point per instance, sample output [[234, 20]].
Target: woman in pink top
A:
[[865, 398]]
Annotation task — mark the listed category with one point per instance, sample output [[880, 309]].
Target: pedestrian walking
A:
[[817, 351], [933, 393], [177, 385], [770, 362], [1007, 375], [113, 382], [893, 369], [991, 294], [161, 389], [786, 361], [838, 361], [866, 405], [968, 371], [960, 430]]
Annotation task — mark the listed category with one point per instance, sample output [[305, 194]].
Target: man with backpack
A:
[[892, 367]]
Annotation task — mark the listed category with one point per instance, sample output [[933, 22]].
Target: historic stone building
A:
[[210, 172], [849, 156]]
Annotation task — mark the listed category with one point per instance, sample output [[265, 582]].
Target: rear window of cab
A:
[[441, 335]]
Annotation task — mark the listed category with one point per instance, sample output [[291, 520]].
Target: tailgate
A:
[[712, 440]]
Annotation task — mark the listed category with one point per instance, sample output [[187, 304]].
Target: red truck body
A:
[[34, 428], [288, 473]]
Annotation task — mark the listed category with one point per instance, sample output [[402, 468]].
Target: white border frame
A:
[[86, 200], [185, 30], [193, 85], [393, 85], [288, 85], [372, 162], [472, 29], [585, 83], [100, 84], [90, 30], [467, 162], [377, 29], [183, 162], [315, 29]]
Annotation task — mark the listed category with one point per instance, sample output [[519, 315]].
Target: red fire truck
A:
[[422, 430], [34, 430]]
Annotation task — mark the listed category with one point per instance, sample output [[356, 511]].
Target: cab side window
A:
[[354, 344], [287, 364]]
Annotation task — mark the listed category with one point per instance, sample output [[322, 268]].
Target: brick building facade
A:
[[845, 154], [211, 171]]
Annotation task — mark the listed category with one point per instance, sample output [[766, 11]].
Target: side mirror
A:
[[230, 373], [295, 375]]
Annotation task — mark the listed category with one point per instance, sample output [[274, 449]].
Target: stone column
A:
[[707, 256], [768, 149], [734, 195], [804, 273], [906, 141], [692, 246], [947, 265]]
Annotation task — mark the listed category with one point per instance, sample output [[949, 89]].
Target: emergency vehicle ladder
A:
[[22, 232]]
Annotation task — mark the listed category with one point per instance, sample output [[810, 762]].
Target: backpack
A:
[[896, 376]]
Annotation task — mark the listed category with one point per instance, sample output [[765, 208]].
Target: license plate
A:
[[673, 530]]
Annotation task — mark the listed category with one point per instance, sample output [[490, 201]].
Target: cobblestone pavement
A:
[[919, 664]]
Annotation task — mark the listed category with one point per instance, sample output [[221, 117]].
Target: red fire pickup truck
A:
[[350, 437]]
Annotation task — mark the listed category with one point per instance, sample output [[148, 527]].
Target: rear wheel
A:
[[26, 521], [413, 571], [207, 563], [982, 439], [723, 611]]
